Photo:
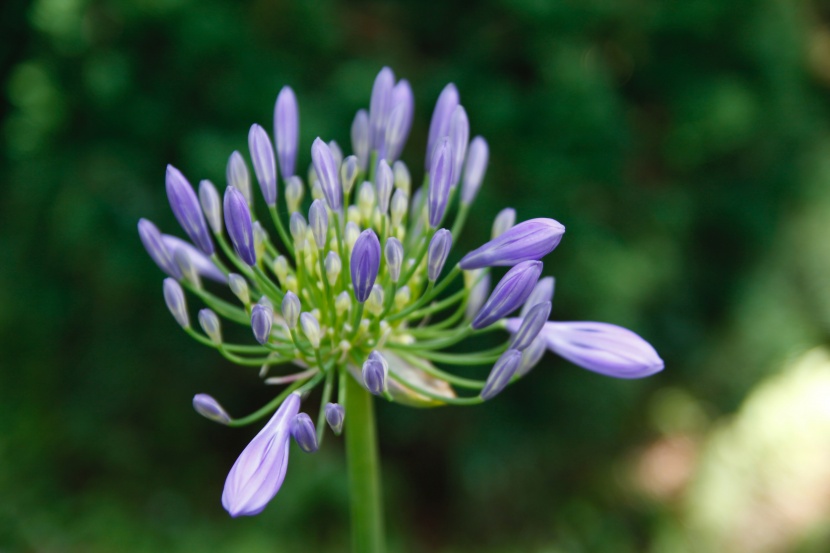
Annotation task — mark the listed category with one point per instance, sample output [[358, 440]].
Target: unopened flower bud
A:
[[317, 191], [239, 287], [286, 129], [348, 173], [366, 201], [281, 268], [265, 165], [479, 292], [529, 240], [503, 222], [532, 354], [531, 325], [311, 329], [209, 408], [501, 373], [333, 267], [542, 292], [335, 416], [294, 193], [439, 126], [474, 169], [402, 297], [237, 175], [380, 106], [375, 302], [174, 298], [439, 249], [211, 205], [291, 309], [186, 208], [440, 181], [511, 292], [398, 208], [375, 370], [186, 266], [343, 303], [260, 239], [209, 322], [351, 234], [238, 223], [298, 227], [336, 153], [394, 258], [318, 219], [262, 317], [326, 169], [360, 138], [353, 215], [400, 120], [459, 138], [304, 433], [384, 185], [403, 181], [365, 262]]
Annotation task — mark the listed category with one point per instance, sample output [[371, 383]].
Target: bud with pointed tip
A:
[[238, 223], [402, 297], [375, 371], [336, 153], [238, 176], [542, 292], [394, 258], [375, 302], [184, 252], [501, 373], [211, 205], [403, 181], [348, 173], [239, 287], [529, 240], [311, 329], [260, 239], [281, 268], [351, 234], [398, 208], [343, 303], [326, 170], [474, 169], [286, 129], [318, 219], [153, 242], [384, 185], [335, 416], [333, 267], [209, 322], [478, 281], [209, 408], [262, 317], [304, 433], [459, 138], [530, 326], [265, 166], [380, 106], [400, 120], [291, 309], [439, 250], [366, 200], [186, 208], [365, 262], [532, 354], [440, 180], [174, 298], [511, 292], [439, 126], [360, 138], [297, 226], [294, 193]]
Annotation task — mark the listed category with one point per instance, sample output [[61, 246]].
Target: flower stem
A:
[[364, 470]]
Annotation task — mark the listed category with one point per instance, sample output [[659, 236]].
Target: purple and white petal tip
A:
[[529, 240]]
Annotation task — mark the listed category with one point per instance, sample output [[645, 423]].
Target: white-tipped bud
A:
[[291, 309], [304, 434], [281, 269], [239, 287], [375, 302], [335, 415], [336, 153], [402, 297], [503, 222], [210, 324], [174, 298], [318, 219], [317, 191], [298, 227], [478, 282], [375, 371], [292, 284], [348, 174], [333, 267], [402, 179], [209, 408], [439, 249], [366, 201], [211, 205], [238, 176], [186, 266], [353, 215], [260, 239], [343, 303], [350, 234], [311, 329], [393, 253], [384, 185], [398, 208], [294, 192], [266, 301]]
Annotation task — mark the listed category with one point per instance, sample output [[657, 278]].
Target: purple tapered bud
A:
[[286, 130], [440, 179], [603, 348], [529, 240], [262, 317], [209, 408], [400, 120], [265, 166], [533, 354], [503, 222], [238, 223], [360, 138], [318, 219], [478, 294], [511, 292], [501, 373], [542, 292], [304, 433], [327, 173], [348, 173], [209, 321], [459, 138], [291, 309], [380, 106], [258, 473], [174, 298], [439, 126], [237, 175], [365, 262], [474, 169], [439, 250], [384, 183], [529, 326], [336, 153], [156, 248], [185, 206], [200, 262], [394, 258], [335, 415], [211, 205], [375, 371]]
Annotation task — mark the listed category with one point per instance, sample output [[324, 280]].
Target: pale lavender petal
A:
[[474, 169], [327, 173], [440, 179], [400, 120], [384, 183], [186, 208], [238, 223], [202, 263], [504, 221], [209, 408], [360, 138], [541, 293], [265, 166], [287, 130], [380, 106], [318, 219], [511, 292], [532, 324], [238, 176], [459, 138], [529, 240], [394, 258], [211, 205], [439, 250], [156, 248], [501, 373], [174, 298], [439, 127]]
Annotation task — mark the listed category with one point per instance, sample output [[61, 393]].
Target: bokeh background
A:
[[685, 145]]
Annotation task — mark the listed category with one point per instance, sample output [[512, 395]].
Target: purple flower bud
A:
[[501, 373], [478, 294], [380, 106], [474, 170], [200, 262], [360, 138], [286, 130], [400, 120], [542, 292], [529, 240], [209, 408], [394, 258], [375, 371], [238, 223], [348, 173], [336, 153], [304, 433], [459, 139], [530, 326], [511, 292], [209, 321], [262, 317], [439, 250], [384, 182], [365, 262], [259, 471], [503, 222], [211, 205], [439, 126], [440, 179], [237, 175], [265, 166], [335, 415], [603, 348], [297, 226], [532, 354], [318, 219], [291, 309], [174, 298], [326, 170], [156, 248], [185, 206]]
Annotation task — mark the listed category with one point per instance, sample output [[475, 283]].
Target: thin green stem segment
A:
[[364, 470]]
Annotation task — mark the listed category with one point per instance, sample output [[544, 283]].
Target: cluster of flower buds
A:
[[357, 285]]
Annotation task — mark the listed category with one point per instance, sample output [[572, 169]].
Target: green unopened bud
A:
[[366, 201], [375, 302], [402, 179], [210, 324], [317, 191], [239, 287], [311, 329], [333, 267], [294, 193], [260, 238], [343, 303], [291, 309], [353, 215], [281, 269], [291, 284], [297, 226], [402, 297], [351, 233], [187, 267], [348, 173], [393, 253], [399, 207]]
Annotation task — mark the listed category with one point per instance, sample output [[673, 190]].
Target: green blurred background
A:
[[685, 145]]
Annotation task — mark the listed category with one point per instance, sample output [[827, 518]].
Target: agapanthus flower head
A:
[[364, 289]]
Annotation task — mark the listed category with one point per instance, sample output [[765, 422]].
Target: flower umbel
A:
[[361, 283]]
